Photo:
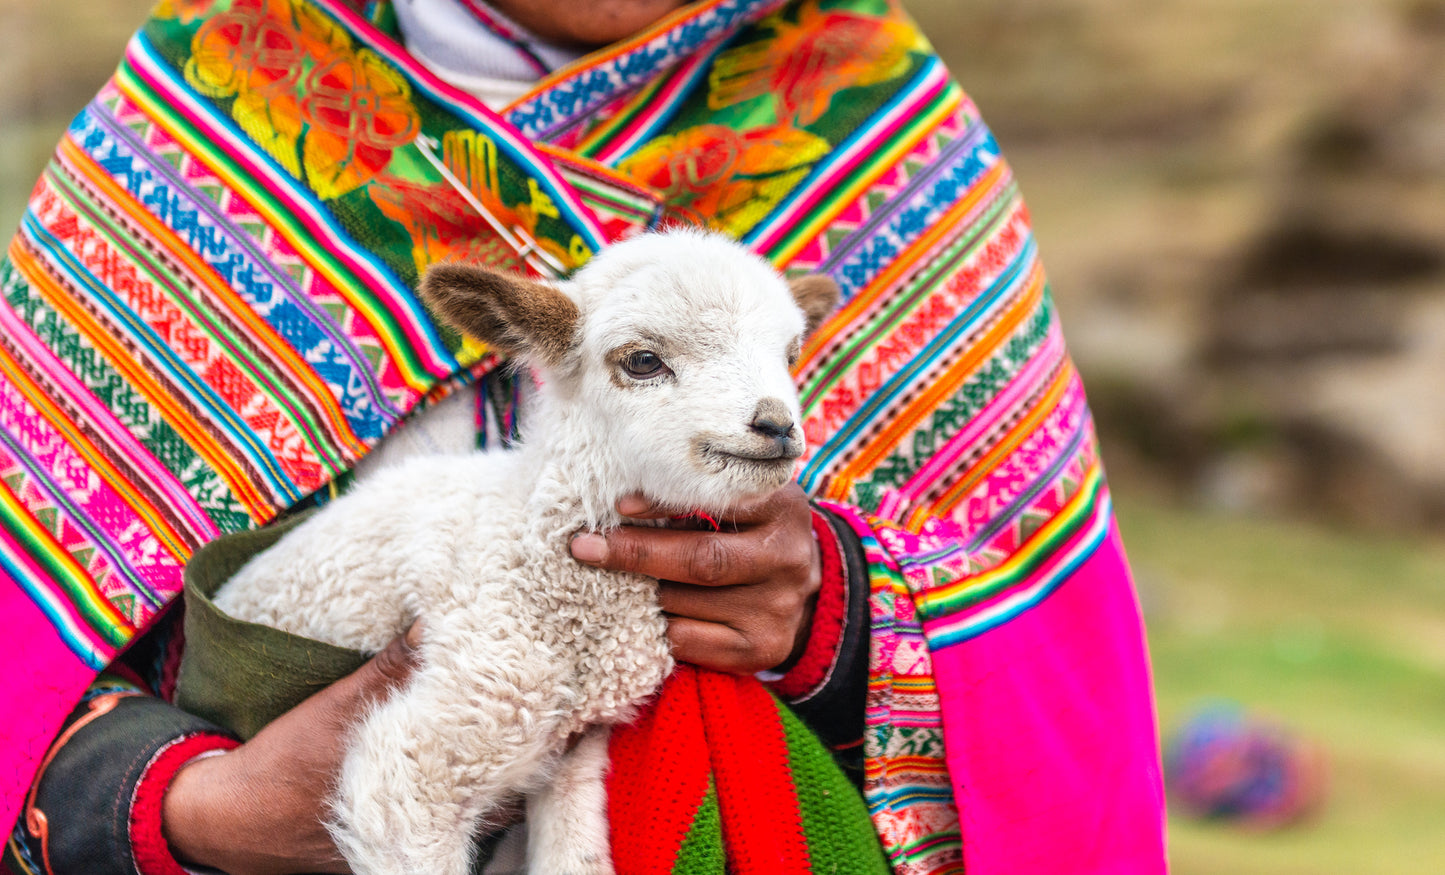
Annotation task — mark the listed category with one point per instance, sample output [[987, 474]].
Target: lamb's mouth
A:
[[773, 458]]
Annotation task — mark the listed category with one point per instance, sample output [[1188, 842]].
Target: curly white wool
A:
[[522, 647]]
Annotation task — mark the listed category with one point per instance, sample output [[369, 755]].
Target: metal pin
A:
[[539, 259]]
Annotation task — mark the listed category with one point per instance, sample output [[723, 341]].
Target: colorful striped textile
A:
[[720, 778], [208, 315]]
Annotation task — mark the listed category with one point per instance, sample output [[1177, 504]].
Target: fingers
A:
[[743, 607], [737, 600], [755, 627], [711, 645], [342, 703], [703, 558], [394, 664]]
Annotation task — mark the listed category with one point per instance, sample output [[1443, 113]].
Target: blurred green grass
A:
[[1339, 636]]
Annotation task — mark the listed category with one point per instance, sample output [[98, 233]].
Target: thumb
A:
[[388, 669]]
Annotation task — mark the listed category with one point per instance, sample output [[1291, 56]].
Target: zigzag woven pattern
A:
[[208, 316]]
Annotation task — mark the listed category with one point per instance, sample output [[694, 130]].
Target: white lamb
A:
[[664, 369]]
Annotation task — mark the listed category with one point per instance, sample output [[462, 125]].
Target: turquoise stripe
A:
[[63, 623], [198, 391], [906, 378], [841, 152], [80, 519], [509, 143], [965, 630], [338, 247]]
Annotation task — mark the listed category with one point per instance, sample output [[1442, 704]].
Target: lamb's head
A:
[[669, 354]]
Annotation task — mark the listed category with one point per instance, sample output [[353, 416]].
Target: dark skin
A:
[[738, 600], [585, 25]]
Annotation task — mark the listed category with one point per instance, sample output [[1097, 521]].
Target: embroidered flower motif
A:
[[808, 63], [444, 227], [359, 110], [734, 178], [328, 113], [184, 11]]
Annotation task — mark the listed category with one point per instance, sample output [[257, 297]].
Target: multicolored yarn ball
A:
[[1224, 763]]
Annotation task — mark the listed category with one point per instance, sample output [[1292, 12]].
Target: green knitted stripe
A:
[[701, 852], [841, 840]]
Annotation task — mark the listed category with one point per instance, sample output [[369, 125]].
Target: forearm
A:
[[95, 805]]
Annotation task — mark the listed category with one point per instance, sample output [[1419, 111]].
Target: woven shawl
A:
[[208, 315]]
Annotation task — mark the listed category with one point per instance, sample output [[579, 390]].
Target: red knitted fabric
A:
[[147, 843], [762, 826], [659, 776], [705, 724]]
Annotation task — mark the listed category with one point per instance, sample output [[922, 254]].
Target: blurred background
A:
[[1242, 207]]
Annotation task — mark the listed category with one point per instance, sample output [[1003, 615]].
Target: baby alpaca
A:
[[664, 369]]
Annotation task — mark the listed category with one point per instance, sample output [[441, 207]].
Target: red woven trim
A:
[[820, 654], [147, 844]]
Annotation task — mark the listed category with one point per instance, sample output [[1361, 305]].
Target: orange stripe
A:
[[887, 764], [949, 224], [23, 517], [879, 163], [174, 246], [944, 385], [94, 458], [167, 406], [1006, 445]]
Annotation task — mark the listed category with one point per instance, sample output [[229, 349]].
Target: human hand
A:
[[258, 809], [738, 600]]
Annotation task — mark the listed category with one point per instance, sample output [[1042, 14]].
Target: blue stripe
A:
[[61, 498], [905, 379], [485, 122], [971, 162], [939, 640], [199, 391], [280, 176], [61, 621], [643, 137], [235, 256], [842, 152], [913, 221], [1034, 489]]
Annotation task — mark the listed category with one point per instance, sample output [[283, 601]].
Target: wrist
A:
[[815, 649], [192, 812]]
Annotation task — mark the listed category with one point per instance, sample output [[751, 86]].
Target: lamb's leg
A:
[[567, 819], [427, 766]]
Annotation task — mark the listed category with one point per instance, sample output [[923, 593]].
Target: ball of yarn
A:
[[1226, 764]]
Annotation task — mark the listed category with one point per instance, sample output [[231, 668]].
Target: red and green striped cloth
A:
[[720, 777]]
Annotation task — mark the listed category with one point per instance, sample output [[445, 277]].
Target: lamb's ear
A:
[[817, 296], [512, 313]]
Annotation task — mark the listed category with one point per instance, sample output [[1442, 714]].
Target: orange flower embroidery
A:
[[733, 178], [359, 111], [807, 63], [297, 81], [444, 227]]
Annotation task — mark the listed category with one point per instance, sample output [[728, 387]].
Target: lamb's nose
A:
[[772, 428], [771, 419]]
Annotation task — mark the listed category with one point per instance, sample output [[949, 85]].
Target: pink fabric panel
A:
[[34, 699], [1051, 735]]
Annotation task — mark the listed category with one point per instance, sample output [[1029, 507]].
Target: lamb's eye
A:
[[643, 364]]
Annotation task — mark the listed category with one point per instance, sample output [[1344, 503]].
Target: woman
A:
[[240, 327]]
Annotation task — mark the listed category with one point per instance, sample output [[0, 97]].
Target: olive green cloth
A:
[[242, 675]]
